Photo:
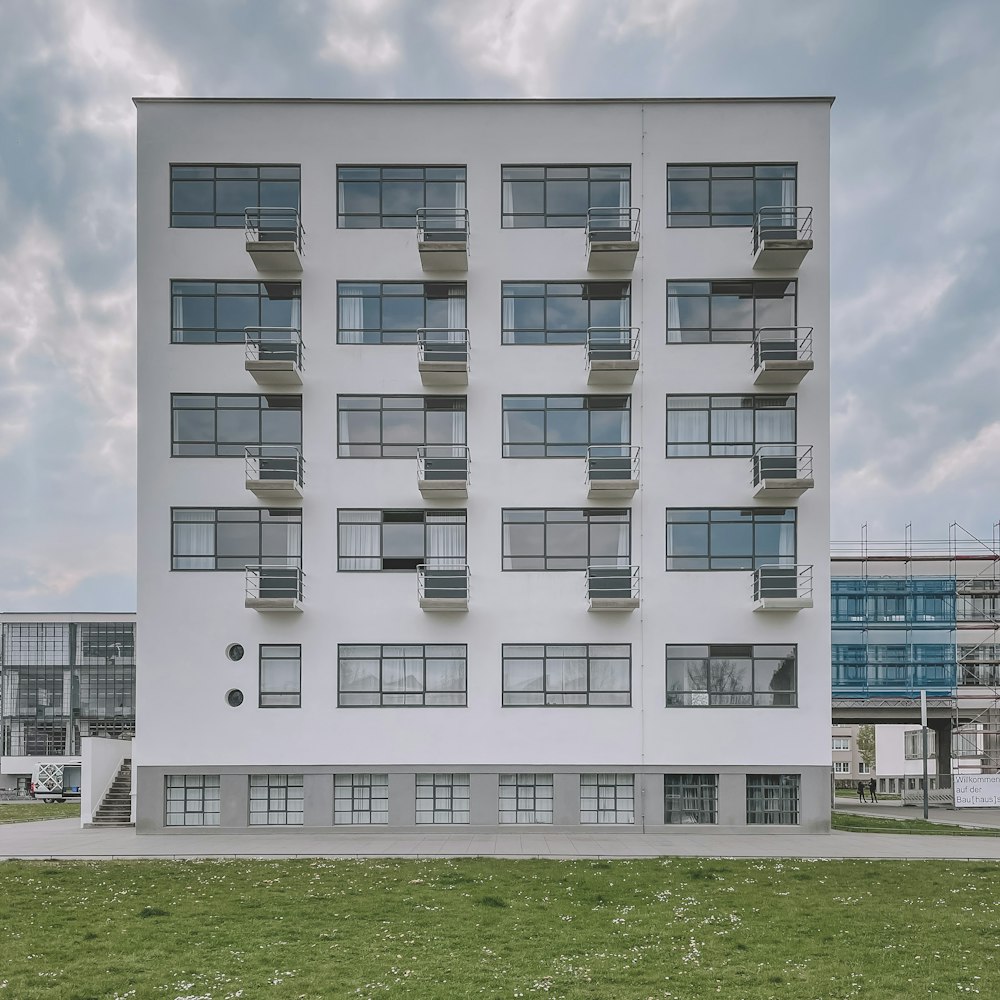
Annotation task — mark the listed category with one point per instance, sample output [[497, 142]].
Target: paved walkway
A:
[[985, 819], [50, 839]]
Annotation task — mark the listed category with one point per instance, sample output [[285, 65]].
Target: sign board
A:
[[977, 790]]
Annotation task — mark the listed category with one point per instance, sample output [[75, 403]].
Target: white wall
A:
[[102, 759]]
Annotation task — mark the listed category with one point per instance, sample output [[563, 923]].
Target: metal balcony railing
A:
[[274, 583], [612, 462], [781, 461], [782, 343], [612, 225], [442, 225], [782, 222], [264, 224], [274, 343], [443, 578], [612, 343], [443, 345], [783, 582], [443, 462], [612, 583], [274, 462]]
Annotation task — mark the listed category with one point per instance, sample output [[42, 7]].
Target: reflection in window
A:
[[727, 312], [218, 312], [388, 197], [563, 426], [538, 197], [690, 798], [232, 538], [773, 799], [730, 539], [580, 675], [716, 195], [401, 675], [225, 425], [728, 426], [391, 312], [216, 197], [731, 676], [565, 539], [374, 540], [396, 426], [560, 312], [280, 676]]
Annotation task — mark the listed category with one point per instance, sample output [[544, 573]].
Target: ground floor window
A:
[[442, 798], [525, 798], [193, 800], [690, 798], [607, 798], [276, 799], [773, 799], [360, 799]]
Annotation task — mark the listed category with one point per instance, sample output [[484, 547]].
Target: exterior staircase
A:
[[116, 807]]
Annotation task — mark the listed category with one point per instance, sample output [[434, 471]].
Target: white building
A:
[[501, 586]]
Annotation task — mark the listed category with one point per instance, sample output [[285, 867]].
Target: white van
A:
[[56, 782]]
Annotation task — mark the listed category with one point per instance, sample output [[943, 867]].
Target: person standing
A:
[[871, 790], [861, 791]]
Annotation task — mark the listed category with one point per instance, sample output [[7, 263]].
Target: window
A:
[[388, 197], [391, 312], [224, 425], [192, 800], [560, 312], [276, 800], [730, 539], [773, 799], [402, 675], [731, 676], [232, 538], [379, 540], [525, 798], [280, 676], [841, 743], [863, 768], [979, 665], [218, 312], [539, 197], [727, 312], [719, 195], [396, 426], [729, 426], [690, 798], [360, 799], [842, 767], [216, 197], [581, 675], [607, 798], [442, 798], [563, 426], [559, 539]]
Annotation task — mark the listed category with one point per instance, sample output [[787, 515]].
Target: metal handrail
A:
[[273, 343], [443, 462], [612, 343], [266, 224], [606, 224], [796, 345], [605, 462], [443, 344], [781, 461], [782, 222], [612, 581], [783, 581], [282, 581], [443, 577], [432, 227], [274, 462]]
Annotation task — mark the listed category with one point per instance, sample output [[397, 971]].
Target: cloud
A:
[[356, 35]]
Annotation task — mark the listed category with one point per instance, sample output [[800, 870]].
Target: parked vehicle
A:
[[56, 782]]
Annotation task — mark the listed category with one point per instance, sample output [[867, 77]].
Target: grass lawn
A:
[[681, 929], [877, 824], [28, 812]]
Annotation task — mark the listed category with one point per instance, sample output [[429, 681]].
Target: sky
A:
[[915, 176]]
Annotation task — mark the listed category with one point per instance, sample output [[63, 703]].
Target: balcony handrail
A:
[[612, 342], [449, 576], [777, 580], [431, 228], [257, 337], [604, 220], [781, 461], [453, 458], [611, 580], [604, 462], [264, 222], [282, 581], [275, 461], [794, 220], [448, 343], [799, 344]]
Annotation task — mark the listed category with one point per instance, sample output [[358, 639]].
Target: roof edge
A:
[[485, 100]]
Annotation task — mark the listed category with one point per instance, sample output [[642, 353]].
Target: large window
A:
[[373, 540], [421, 675], [360, 799], [391, 312], [563, 426], [280, 676], [388, 197], [218, 312], [690, 798], [525, 798], [727, 312], [276, 800], [565, 539], [730, 538], [232, 538], [580, 675], [539, 197], [731, 676], [773, 799], [607, 798], [442, 798], [224, 425], [560, 312], [726, 195], [396, 426], [216, 197], [728, 426], [192, 800]]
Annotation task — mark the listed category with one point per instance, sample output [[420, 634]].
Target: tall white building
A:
[[483, 465]]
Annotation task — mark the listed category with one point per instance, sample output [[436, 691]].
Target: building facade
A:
[[483, 465]]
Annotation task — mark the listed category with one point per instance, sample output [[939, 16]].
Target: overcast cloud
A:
[[916, 199]]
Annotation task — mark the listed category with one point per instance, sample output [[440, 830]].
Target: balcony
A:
[[612, 355], [274, 355], [782, 236], [612, 238], [612, 588], [781, 471], [782, 354], [274, 238], [443, 471], [443, 585], [443, 356], [782, 588], [274, 588], [443, 238], [274, 471], [612, 471]]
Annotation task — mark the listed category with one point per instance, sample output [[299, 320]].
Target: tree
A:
[[866, 746]]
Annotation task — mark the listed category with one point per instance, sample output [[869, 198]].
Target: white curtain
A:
[[688, 426], [623, 544], [293, 542], [731, 427], [507, 197], [359, 541], [445, 545], [786, 544], [352, 316], [456, 315], [194, 541], [775, 426]]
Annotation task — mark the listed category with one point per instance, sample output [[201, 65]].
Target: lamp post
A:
[[923, 724]]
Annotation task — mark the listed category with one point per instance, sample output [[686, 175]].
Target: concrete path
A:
[[984, 819], [63, 839]]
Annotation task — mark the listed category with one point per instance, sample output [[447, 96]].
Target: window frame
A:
[[593, 652], [540, 804], [437, 405], [215, 444], [295, 319], [381, 692], [381, 215], [212, 817], [452, 785], [588, 513], [287, 513], [710, 443], [261, 693], [405, 337], [277, 805], [755, 560], [590, 405], [554, 337], [768, 653], [760, 812], [545, 215], [710, 167], [598, 785], [355, 785], [693, 786], [442, 513], [734, 334], [215, 168]]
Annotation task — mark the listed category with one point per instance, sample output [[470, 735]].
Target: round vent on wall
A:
[[234, 651], [234, 697]]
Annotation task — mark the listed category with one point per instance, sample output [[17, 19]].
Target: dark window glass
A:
[[391, 312], [728, 426], [563, 426], [232, 538], [420, 675], [219, 312], [690, 798], [700, 195], [728, 312], [731, 676], [567, 675], [561, 539], [561, 312], [374, 540], [388, 197], [539, 197], [730, 538], [396, 426], [773, 799], [216, 197], [224, 425]]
